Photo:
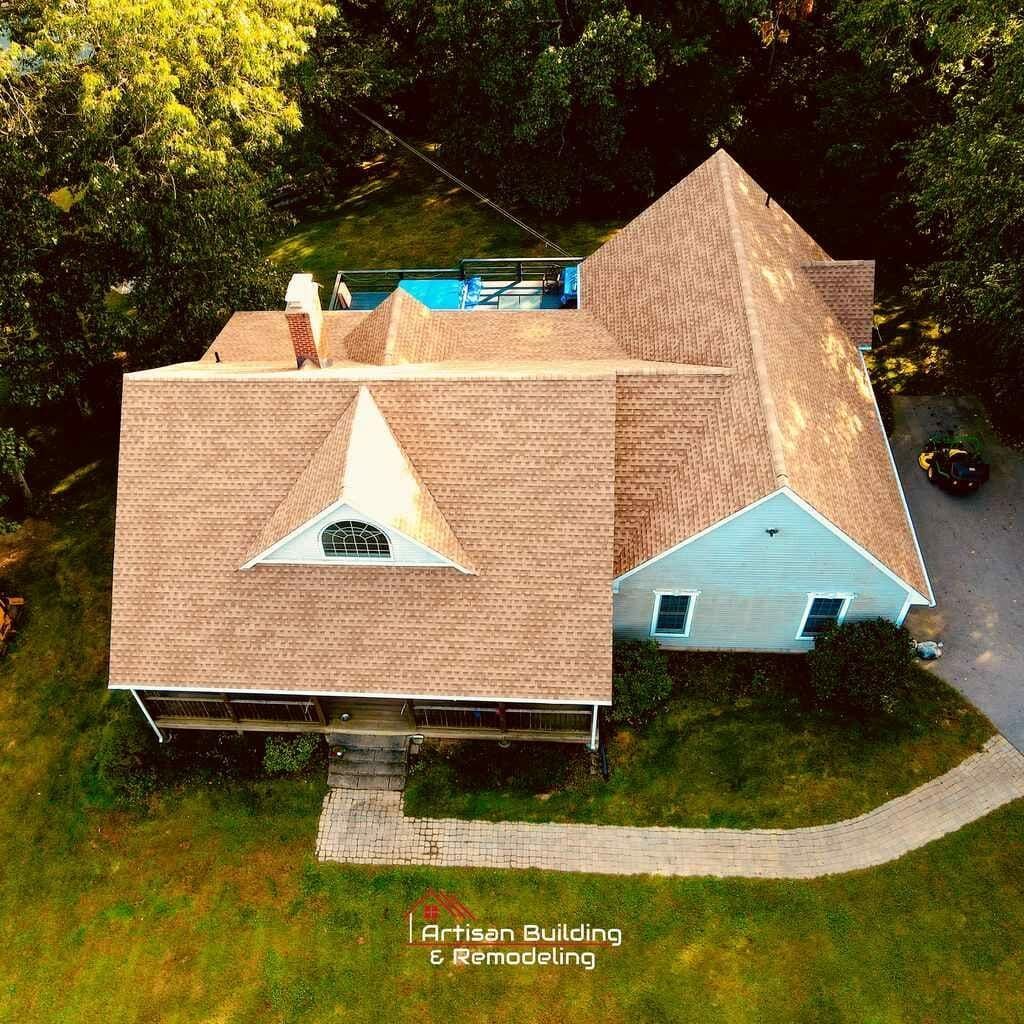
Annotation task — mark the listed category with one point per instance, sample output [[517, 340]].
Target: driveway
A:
[[974, 550]]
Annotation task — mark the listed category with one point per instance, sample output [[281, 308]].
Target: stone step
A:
[[357, 755], [346, 767], [393, 783], [353, 741]]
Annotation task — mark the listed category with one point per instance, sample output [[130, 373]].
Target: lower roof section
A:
[[523, 470]]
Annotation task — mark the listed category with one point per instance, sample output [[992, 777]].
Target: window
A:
[[351, 539], [672, 613], [823, 610]]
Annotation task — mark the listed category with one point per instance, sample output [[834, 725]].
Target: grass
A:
[[207, 907], [722, 754], [401, 215]]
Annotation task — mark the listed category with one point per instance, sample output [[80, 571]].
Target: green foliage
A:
[[134, 139], [287, 755], [124, 763], [863, 668], [738, 744], [14, 452], [964, 65], [641, 682]]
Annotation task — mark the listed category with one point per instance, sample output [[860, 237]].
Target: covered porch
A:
[[370, 716]]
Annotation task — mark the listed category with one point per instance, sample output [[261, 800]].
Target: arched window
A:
[[351, 539]]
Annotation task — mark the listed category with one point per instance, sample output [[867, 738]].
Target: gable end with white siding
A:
[[750, 582]]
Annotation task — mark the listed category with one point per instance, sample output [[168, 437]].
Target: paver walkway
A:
[[370, 828]]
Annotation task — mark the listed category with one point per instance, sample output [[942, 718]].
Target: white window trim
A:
[[351, 559], [846, 598], [658, 595]]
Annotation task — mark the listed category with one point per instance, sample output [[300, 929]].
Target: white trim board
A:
[[658, 595], [689, 540], [812, 511], [847, 600], [506, 699]]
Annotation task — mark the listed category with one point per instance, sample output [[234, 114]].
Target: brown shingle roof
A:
[[522, 470], [547, 451], [714, 274]]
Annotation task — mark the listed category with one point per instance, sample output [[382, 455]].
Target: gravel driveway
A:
[[974, 550]]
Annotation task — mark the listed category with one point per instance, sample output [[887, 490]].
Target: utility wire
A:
[[458, 181]]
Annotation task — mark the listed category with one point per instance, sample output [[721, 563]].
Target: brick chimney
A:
[[305, 318]]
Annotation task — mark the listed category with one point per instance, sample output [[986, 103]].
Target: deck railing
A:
[[231, 709], [442, 716], [532, 268]]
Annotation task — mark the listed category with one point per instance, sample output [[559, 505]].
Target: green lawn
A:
[[719, 756], [404, 216]]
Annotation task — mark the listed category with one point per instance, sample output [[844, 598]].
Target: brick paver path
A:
[[370, 828]]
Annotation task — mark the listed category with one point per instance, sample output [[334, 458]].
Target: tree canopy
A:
[[146, 144]]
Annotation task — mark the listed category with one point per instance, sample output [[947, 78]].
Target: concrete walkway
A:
[[370, 828]]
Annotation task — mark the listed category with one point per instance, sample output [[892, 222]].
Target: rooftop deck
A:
[[504, 284]]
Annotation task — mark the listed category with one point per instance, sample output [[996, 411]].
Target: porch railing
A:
[[515, 719], [231, 709]]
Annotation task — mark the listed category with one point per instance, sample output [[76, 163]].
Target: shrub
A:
[[862, 667], [124, 764], [286, 755], [641, 681]]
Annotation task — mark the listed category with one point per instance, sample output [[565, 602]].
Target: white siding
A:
[[753, 586]]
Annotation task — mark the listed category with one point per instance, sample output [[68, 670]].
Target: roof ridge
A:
[[724, 163]]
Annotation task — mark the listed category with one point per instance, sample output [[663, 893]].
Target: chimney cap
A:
[[303, 292]]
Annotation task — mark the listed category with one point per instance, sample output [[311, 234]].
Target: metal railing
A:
[[229, 709], [515, 719], [533, 268]]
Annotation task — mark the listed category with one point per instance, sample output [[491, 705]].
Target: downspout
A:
[[149, 717], [593, 730]]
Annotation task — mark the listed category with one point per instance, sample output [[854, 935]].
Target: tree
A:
[[14, 454], [132, 136], [965, 166]]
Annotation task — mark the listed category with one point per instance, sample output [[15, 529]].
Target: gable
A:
[[360, 465], [305, 546], [739, 554]]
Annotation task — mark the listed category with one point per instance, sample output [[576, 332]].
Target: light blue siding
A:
[[753, 587]]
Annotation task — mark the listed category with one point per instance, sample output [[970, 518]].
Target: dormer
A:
[[359, 502]]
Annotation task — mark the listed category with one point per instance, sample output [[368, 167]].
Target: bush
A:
[[124, 764], [286, 755], [641, 681], [863, 667]]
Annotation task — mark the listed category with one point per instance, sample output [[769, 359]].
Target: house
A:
[[414, 520]]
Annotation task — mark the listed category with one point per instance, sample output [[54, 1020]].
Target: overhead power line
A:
[[458, 181]]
